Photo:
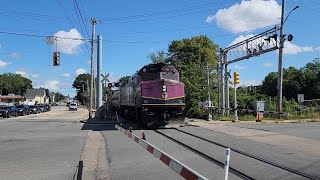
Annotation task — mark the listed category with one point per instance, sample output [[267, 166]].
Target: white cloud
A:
[[4, 64], [69, 46], [22, 73], [236, 66], [317, 48], [80, 71], [247, 16], [241, 38], [268, 64], [15, 55], [250, 83], [290, 48], [66, 75], [35, 76], [52, 85]]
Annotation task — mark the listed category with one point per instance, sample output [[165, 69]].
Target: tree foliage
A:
[[123, 79], [14, 83], [82, 83], [191, 56], [59, 97], [295, 81], [159, 57]]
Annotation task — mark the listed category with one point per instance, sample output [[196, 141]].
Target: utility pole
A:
[[280, 69], [222, 95], [209, 102], [93, 22]]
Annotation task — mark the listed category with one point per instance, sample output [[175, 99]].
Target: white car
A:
[[73, 106]]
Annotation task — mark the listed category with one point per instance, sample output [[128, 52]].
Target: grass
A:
[[306, 115]]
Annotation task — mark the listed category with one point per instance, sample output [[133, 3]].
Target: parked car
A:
[[48, 107], [73, 106], [54, 104], [23, 110], [42, 108], [34, 109], [7, 111]]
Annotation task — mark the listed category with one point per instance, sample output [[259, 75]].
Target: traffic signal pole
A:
[[99, 66]]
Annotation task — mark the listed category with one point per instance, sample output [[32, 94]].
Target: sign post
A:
[[236, 80]]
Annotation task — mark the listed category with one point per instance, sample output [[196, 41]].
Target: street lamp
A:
[[280, 70]]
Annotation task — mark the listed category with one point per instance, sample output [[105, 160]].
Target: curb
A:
[[174, 164]]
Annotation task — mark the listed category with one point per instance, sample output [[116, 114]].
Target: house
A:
[[10, 99], [36, 96]]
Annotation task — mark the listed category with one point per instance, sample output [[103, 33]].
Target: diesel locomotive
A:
[[154, 95]]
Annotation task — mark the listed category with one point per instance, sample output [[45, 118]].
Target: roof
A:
[[32, 93], [11, 97]]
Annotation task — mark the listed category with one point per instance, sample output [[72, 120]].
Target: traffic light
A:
[[110, 85], [236, 78], [56, 58]]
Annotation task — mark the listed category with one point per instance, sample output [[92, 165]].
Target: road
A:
[[51, 145], [42, 146]]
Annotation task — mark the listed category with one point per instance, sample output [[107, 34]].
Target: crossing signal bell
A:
[[56, 58], [236, 78]]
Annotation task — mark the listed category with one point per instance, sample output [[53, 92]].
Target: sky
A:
[[132, 29]]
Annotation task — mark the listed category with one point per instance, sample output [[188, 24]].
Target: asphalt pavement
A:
[[309, 130], [42, 146]]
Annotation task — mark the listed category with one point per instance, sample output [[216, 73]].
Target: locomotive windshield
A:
[[158, 71], [169, 75], [149, 76]]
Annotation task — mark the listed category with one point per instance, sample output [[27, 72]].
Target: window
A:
[[149, 76], [170, 76]]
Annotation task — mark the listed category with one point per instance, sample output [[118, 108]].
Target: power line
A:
[[41, 36], [174, 13], [65, 13], [81, 17]]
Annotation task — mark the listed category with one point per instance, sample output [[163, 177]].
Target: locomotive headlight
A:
[[145, 101], [164, 88], [182, 108]]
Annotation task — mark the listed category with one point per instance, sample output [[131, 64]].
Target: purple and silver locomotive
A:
[[154, 95]]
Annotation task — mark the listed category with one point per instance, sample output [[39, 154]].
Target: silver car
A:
[[73, 106]]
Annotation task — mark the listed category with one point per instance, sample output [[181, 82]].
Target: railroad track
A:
[[232, 169]]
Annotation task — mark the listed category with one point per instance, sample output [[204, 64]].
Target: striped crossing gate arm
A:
[[173, 163]]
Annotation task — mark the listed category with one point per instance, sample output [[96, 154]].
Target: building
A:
[[10, 99], [36, 96]]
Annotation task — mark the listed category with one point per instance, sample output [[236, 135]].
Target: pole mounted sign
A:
[[105, 77]]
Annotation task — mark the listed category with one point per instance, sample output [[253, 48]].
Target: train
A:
[[154, 95]]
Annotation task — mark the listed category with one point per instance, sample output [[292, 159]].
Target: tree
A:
[[59, 97], [190, 57], [159, 57], [295, 81], [123, 79], [80, 83], [14, 83]]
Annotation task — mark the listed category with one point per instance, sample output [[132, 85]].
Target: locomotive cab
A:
[[162, 95]]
